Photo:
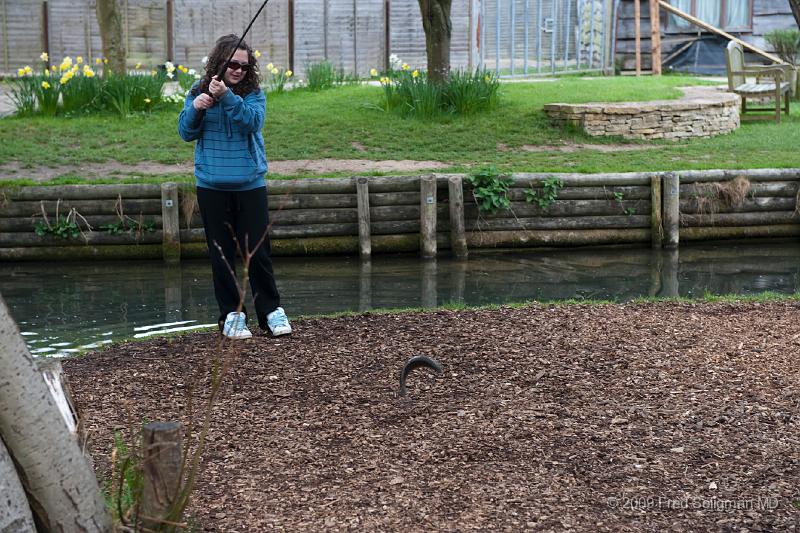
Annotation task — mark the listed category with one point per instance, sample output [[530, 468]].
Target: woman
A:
[[225, 117]]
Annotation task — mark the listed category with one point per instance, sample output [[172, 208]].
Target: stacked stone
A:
[[701, 113]]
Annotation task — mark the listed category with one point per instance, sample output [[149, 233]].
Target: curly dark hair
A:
[[223, 49]]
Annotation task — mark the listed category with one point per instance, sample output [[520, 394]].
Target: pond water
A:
[[66, 308]]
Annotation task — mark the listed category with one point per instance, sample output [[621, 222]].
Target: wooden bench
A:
[[777, 87]]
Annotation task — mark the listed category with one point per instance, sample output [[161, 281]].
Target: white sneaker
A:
[[278, 322], [236, 326]]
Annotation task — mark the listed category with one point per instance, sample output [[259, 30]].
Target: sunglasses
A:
[[235, 65]]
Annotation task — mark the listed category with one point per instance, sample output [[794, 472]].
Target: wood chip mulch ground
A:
[[646, 417]]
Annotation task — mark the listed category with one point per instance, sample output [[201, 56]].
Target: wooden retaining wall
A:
[[411, 214]]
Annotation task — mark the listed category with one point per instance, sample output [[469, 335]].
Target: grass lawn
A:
[[346, 123]]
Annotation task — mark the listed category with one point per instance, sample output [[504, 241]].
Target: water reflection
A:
[[65, 308]]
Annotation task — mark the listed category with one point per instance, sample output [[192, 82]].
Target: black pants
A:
[[243, 214]]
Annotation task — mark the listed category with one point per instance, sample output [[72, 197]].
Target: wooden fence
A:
[[424, 214], [356, 35]]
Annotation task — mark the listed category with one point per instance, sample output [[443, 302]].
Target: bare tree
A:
[[61, 486], [795, 5], [438, 31], [109, 18], [15, 513]]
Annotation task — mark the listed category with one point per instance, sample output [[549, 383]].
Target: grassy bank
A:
[[345, 123]]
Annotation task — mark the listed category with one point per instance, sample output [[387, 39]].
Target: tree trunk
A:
[[15, 513], [438, 31], [795, 5], [62, 489], [109, 19]]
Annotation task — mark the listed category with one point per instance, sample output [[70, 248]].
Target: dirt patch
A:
[[14, 170], [652, 417], [604, 148]]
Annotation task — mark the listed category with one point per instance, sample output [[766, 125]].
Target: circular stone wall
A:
[[701, 112]]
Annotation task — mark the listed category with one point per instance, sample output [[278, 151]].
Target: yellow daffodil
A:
[[21, 72], [274, 71], [53, 68], [405, 66], [256, 53], [79, 60], [44, 57], [98, 61], [88, 72], [146, 100], [137, 66], [183, 69], [153, 72], [66, 64], [169, 66], [384, 81], [373, 72], [74, 69], [105, 61], [66, 77], [415, 74], [289, 73], [45, 85], [270, 67]]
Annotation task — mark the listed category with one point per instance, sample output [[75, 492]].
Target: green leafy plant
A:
[[64, 226], [490, 189], [411, 94], [324, 75], [786, 44], [547, 194], [277, 78], [124, 491]]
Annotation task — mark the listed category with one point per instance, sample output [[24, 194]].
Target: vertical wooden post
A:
[[427, 212], [656, 228], [387, 44], [672, 209], [670, 286], [637, 22], [161, 468], [6, 58], [170, 217], [655, 37], [169, 45], [290, 37], [364, 239], [458, 239], [365, 286], [46, 31], [428, 287]]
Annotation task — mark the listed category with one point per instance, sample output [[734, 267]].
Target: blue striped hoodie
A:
[[229, 155]]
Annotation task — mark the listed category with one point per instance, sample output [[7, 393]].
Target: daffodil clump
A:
[[73, 86], [276, 77], [408, 91]]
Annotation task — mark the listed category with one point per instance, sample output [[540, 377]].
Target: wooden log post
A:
[[637, 32], [458, 238], [670, 287], [427, 187], [656, 228], [161, 468], [671, 210], [365, 286], [428, 290], [655, 38], [170, 217], [364, 236]]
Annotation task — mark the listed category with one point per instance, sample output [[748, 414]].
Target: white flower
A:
[[192, 72], [204, 60], [169, 66], [197, 76], [170, 75], [395, 62]]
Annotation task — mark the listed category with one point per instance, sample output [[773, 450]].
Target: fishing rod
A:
[[224, 66]]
